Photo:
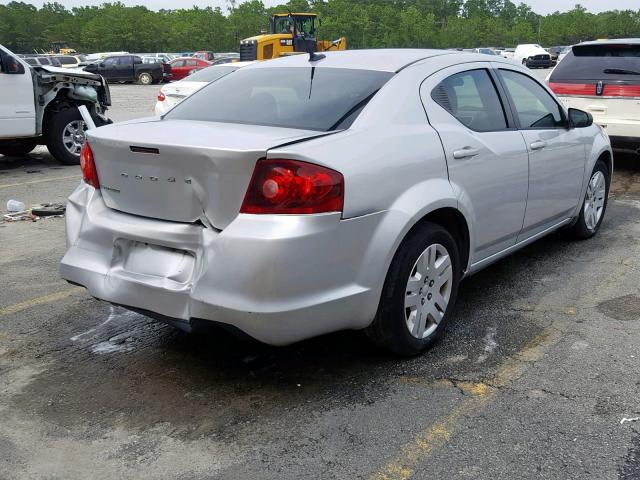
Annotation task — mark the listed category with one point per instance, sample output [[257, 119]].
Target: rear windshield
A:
[[304, 98], [599, 62], [210, 74]]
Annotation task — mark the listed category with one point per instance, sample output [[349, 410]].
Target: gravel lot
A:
[[537, 372]]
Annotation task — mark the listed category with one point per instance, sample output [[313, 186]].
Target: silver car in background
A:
[[306, 195]]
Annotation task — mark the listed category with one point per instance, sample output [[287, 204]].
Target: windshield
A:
[[291, 97], [211, 74], [599, 62], [302, 25]]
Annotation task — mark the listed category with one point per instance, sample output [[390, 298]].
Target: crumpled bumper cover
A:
[[279, 279]]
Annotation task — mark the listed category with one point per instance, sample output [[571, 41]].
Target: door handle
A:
[[538, 145], [466, 152]]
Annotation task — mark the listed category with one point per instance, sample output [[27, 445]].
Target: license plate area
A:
[[153, 262]]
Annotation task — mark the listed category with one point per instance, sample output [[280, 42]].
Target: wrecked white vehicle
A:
[[39, 105]]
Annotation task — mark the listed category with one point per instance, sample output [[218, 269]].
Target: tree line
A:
[[366, 24]]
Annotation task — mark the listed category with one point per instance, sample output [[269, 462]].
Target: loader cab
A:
[[302, 28]]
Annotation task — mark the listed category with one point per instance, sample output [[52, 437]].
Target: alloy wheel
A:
[[428, 291], [73, 136], [595, 199]]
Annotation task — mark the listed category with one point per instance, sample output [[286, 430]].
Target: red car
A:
[[182, 67]]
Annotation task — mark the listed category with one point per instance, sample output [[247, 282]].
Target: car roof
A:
[[616, 41], [384, 60]]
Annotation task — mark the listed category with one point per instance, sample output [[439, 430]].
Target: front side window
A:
[[111, 62], [534, 106], [307, 98], [472, 99]]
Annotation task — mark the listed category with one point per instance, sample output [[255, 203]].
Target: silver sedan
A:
[[352, 190]]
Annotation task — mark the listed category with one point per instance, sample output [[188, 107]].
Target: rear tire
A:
[[594, 205], [145, 79], [419, 292], [18, 148]]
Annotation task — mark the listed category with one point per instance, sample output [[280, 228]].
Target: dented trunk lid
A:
[[180, 170]]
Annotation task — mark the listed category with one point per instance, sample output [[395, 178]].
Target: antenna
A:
[[314, 57]]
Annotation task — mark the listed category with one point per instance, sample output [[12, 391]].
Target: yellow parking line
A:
[[404, 464], [34, 302], [40, 181]]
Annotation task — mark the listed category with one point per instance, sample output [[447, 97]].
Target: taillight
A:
[[161, 97], [88, 166], [293, 187], [621, 91], [573, 88]]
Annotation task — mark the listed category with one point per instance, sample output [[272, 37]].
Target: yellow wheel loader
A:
[[290, 34]]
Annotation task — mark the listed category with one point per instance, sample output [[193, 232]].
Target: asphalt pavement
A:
[[537, 377]]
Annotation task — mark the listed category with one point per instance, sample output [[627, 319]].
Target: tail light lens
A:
[[88, 166], [573, 88], [293, 187], [161, 97], [621, 91]]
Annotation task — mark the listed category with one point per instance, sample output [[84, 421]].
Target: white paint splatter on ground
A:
[[109, 319], [113, 345], [120, 343], [490, 345]]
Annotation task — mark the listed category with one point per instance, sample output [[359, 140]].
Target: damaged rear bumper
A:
[[279, 279]]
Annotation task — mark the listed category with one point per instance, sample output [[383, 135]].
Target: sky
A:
[[539, 6]]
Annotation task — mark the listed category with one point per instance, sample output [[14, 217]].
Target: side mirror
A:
[[579, 118], [11, 66]]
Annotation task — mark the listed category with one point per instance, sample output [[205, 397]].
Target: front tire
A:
[[595, 202], [419, 292], [145, 79]]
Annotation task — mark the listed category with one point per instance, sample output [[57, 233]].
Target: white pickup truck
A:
[[39, 105]]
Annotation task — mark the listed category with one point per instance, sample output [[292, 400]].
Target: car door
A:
[[108, 68], [17, 106], [486, 155], [178, 69], [124, 68], [556, 152], [191, 64]]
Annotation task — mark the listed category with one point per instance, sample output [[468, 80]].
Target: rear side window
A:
[[44, 61], [471, 97], [308, 98], [534, 106], [599, 62]]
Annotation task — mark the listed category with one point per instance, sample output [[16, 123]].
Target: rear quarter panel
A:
[[393, 164]]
